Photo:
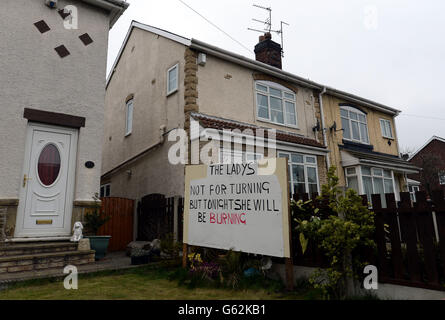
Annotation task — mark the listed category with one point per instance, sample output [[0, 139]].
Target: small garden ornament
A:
[[77, 232]]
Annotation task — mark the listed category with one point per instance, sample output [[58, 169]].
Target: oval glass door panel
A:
[[49, 165]]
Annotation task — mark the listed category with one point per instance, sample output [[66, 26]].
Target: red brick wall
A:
[[432, 160]]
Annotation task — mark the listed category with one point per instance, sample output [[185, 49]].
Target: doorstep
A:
[[13, 240]]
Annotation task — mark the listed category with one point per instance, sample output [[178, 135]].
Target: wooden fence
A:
[[156, 217], [120, 225], [410, 239], [409, 251]]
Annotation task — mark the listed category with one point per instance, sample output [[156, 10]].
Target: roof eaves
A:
[[242, 60], [142, 26], [239, 59], [115, 7], [427, 143], [363, 101]]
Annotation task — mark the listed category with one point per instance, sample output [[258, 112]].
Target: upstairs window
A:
[[172, 79], [236, 156], [386, 128], [129, 118], [275, 103], [354, 125]]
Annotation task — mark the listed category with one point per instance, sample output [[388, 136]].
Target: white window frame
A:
[[383, 124], [306, 164], [283, 98], [237, 156], [129, 119], [359, 174], [358, 112], [173, 90], [103, 190], [412, 192]]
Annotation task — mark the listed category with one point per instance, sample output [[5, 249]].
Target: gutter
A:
[[115, 7], [323, 129], [363, 101], [406, 169], [265, 68], [249, 63]]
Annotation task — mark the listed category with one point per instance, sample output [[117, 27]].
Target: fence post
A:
[[439, 203], [380, 236], [409, 227], [184, 255], [425, 230], [175, 218], [289, 261], [394, 234]]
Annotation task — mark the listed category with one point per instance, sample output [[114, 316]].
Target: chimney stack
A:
[[268, 51]]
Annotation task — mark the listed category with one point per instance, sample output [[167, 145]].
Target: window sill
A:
[[278, 124], [171, 93], [389, 138]]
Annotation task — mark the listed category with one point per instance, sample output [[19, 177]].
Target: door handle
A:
[[25, 178]]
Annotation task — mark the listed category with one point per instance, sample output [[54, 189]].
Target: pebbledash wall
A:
[[141, 74], [34, 76]]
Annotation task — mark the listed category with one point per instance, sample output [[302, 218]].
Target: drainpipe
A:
[[325, 140]]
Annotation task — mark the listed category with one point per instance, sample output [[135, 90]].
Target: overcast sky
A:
[[391, 52]]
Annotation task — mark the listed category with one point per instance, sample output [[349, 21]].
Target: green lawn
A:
[[136, 284]]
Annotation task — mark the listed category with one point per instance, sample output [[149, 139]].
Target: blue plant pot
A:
[[100, 245]]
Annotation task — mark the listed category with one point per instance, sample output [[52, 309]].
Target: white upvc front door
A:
[[47, 183]]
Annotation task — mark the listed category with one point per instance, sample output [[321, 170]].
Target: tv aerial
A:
[[268, 25]]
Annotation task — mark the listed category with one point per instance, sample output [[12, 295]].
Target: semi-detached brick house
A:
[[431, 158], [161, 81]]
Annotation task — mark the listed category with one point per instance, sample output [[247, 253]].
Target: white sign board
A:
[[243, 207]]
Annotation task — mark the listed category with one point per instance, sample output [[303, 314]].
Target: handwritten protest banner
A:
[[243, 207]]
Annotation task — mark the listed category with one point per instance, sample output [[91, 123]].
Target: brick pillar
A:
[[190, 91]]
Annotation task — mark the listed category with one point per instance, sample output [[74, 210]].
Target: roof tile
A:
[[220, 124]]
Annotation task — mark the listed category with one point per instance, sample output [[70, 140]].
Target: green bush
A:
[[96, 219], [342, 236]]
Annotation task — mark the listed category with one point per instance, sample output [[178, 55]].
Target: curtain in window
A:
[[48, 165]]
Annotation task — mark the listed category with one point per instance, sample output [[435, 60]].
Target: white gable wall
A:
[[34, 76]]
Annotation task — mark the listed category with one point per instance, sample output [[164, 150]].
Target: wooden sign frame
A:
[[289, 274]]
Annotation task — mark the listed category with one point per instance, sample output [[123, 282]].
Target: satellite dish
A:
[[266, 263]]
